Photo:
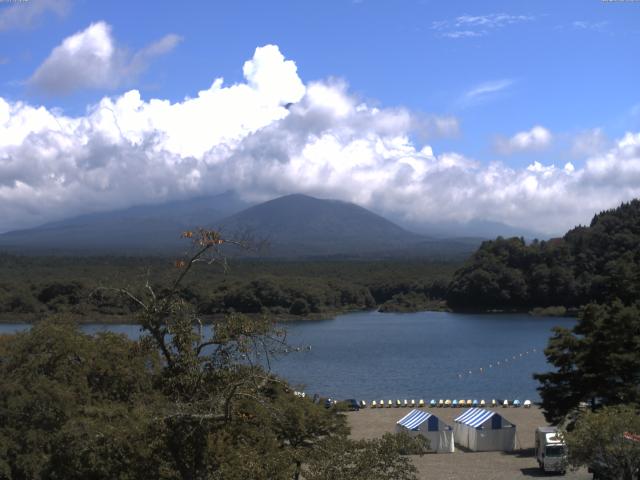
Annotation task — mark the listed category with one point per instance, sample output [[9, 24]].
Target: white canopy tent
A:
[[420, 422], [484, 430]]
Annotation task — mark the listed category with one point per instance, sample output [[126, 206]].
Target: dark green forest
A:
[[32, 286], [177, 404], [588, 264]]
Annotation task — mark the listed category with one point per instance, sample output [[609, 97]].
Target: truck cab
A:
[[551, 451]]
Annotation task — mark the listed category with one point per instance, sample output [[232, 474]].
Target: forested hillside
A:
[[588, 264], [31, 287]]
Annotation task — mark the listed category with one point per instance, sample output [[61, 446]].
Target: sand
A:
[[371, 423]]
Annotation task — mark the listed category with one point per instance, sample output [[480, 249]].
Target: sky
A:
[[525, 113]]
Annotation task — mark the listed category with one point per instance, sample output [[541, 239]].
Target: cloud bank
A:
[[23, 15], [469, 26], [91, 59], [538, 138], [272, 135]]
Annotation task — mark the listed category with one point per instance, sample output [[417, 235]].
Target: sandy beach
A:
[[371, 423]]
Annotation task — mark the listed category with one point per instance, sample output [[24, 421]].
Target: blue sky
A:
[[490, 87]]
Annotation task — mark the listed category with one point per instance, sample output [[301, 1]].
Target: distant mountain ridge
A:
[[147, 229], [294, 225], [302, 225], [475, 228]]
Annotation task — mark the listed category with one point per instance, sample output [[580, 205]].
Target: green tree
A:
[[339, 458], [185, 402], [597, 263], [65, 394], [598, 361], [598, 441]]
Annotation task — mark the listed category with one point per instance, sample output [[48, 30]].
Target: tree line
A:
[[180, 403], [34, 286], [595, 263], [593, 392]]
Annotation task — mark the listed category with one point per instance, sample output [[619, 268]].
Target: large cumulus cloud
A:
[[273, 135], [91, 59]]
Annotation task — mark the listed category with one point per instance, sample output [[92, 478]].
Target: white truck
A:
[[551, 451]]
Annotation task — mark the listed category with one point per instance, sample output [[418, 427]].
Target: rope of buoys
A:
[[498, 363]]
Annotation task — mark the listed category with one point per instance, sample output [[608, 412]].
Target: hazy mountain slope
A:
[[472, 229], [303, 225], [140, 229], [293, 225]]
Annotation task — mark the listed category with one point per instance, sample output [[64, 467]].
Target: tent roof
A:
[[414, 419], [474, 417]]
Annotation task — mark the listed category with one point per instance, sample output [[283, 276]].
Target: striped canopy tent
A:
[[483, 430], [420, 422]]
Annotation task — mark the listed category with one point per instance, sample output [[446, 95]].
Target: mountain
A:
[[293, 226], [475, 228], [144, 229], [298, 224]]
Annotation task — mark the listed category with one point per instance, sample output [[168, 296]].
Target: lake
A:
[[372, 355]]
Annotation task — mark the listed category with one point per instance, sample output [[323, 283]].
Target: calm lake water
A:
[[373, 355]]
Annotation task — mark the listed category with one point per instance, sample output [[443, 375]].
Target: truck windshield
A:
[[554, 451]]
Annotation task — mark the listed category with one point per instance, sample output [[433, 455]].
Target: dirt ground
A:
[[371, 423]]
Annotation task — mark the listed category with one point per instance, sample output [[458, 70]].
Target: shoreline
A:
[[98, 318]]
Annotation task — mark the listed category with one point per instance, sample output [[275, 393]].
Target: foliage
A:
[[598, 361], [183, 402], [339, 458], [589, 264], [32, 286], [598, 441], [64, 393]]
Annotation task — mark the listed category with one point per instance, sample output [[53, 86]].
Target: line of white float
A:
[[498, 363], [445, 403]]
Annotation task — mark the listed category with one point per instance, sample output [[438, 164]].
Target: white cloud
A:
[[586, 25], [466, 26], [273, 135], [90, 59], [22, 15], [538, 138], [484, 91], [589, 143]]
